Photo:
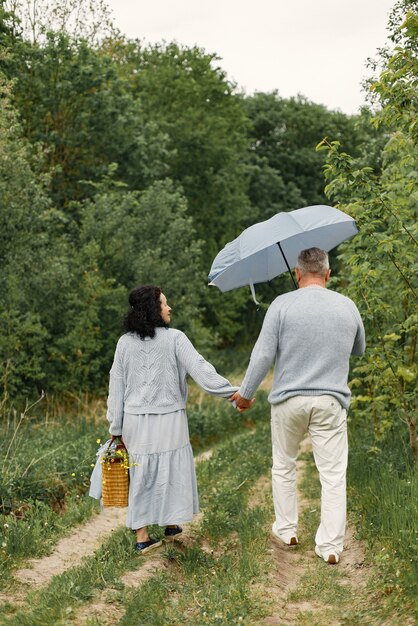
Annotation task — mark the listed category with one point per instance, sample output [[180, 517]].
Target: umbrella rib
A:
[[287, 264]]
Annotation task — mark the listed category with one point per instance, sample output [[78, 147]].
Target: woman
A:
[[147, 407]]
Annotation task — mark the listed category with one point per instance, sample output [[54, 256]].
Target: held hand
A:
[[242, 404]]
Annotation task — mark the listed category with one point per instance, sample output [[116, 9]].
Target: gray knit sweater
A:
[[149, 376], [311, 334]]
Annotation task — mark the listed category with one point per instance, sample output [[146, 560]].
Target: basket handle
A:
[[116, 437]]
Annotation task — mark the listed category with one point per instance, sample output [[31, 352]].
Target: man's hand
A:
[[242, 403]]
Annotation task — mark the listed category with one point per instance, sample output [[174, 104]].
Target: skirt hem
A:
[[158, 523]]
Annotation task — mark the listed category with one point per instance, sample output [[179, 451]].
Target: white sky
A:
[[317, 48]]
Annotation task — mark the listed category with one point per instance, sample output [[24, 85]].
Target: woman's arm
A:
[[202, 372], [115, 400]]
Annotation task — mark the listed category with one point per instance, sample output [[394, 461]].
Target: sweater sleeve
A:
[[115, 400], [202, 372], [262, 355], [359, 345]]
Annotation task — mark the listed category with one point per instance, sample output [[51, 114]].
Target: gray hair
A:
[[313, 261]]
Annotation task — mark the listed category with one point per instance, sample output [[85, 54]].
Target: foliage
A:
[[381, 261], [82, 18], [127, 144], [6, 24], [137, 239], [86, 116], [236, 531], [22, 203], [47, 463], [190, 98], [286, 171], [47, 467], [382, 507], [210, 422], [225, 577], [83, 257]]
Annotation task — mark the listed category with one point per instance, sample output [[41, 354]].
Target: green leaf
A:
[[391, 337], [406, 373]]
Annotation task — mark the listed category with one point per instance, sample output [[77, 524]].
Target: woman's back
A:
[[150, 373]]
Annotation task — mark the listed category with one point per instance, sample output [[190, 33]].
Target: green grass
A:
[[36, 533], [383, 493], [216, 587], [45, 472], [323, 584], [381, 504], [328, 589], [44, 478], [43, 484], [213, 420], [75, 586], [199, 586], [45, 461]]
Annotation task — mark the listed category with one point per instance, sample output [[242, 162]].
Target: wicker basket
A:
[[115, 482]]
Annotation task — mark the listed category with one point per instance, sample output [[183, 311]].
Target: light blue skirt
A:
[[162, 477]]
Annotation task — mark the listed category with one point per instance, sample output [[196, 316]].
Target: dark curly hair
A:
[[144, 315]]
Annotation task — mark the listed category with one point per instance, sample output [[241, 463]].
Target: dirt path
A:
[[292, 565], [104, 608], [70, 550]]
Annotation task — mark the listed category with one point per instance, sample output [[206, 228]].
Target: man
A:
[[311, 333]]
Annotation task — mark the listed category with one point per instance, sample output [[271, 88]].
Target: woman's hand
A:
[[113, 437]]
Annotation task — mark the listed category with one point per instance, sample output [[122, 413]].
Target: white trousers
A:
[[326, 421]]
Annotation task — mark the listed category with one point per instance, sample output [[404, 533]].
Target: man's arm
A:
[[261, 359], [359, 345]]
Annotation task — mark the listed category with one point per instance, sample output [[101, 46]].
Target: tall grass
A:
[[44, 477], [383, 491]]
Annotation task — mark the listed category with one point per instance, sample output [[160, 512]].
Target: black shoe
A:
[[171, 533], [141, 547]]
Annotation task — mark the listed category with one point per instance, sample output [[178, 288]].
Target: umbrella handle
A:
[[287, 265]]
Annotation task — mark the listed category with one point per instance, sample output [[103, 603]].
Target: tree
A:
[[74, 102], [86, 19], [192, 102], [120, 241], [145, 237], [286, 171], [6, 25], [189, 98], [381, 265], [22, 203]]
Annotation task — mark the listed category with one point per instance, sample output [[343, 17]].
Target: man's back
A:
[[311, 332]]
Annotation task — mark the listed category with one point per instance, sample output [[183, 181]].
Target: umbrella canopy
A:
[[269, 248]]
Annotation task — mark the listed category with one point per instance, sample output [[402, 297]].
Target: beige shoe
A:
[[293, 541], [331, 559]]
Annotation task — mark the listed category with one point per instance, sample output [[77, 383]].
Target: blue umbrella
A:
[[269, 248]]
